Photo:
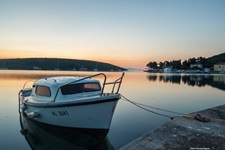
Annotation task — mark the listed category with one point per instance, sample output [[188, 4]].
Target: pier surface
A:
[[203, 130]]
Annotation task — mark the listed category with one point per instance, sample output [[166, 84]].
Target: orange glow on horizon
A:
[[132, 59], [17, 54]]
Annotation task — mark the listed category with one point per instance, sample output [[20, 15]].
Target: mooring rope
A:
[[178, 113], [161, 114]]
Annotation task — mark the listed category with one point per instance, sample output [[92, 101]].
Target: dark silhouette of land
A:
[[177, 64], [57, 64]]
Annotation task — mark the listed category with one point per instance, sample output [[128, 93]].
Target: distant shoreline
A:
[[60, 70], [57, 64]]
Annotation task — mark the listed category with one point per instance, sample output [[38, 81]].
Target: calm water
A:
[[181, 93]]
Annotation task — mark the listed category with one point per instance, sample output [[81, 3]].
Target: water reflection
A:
[[128, 123], [217, 81], [21, 75], [43, 137]]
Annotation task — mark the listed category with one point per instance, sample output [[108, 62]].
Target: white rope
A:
[[164, 115]]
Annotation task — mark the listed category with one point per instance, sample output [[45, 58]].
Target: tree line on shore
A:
[[177, 64], [186, 64]]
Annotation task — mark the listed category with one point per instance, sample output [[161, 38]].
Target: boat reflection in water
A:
[[217, 81], [44, 137]]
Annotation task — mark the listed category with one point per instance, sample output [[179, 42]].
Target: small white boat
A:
[[73, 102]]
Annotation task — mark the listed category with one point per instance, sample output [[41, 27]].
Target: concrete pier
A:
[[203, 130]]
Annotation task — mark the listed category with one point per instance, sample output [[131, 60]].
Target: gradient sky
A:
[[128, 33]]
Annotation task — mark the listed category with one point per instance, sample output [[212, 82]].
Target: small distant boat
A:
[[73, 102]]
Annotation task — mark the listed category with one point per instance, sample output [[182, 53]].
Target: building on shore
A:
[[219, 67]]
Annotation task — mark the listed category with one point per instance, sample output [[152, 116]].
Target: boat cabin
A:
[[64, 88]]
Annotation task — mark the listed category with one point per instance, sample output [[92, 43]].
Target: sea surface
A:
[[183, 93]]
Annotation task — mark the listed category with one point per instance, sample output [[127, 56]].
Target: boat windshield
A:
[[80, 88], [43, 91]]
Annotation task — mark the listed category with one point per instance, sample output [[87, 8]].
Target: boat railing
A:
[[24, 86], [118, 81]]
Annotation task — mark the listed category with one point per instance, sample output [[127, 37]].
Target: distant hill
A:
[[217, 58], [57, 64]]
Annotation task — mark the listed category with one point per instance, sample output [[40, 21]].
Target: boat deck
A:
[[204, 131]]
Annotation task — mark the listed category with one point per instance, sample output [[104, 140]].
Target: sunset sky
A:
[[128, 33]]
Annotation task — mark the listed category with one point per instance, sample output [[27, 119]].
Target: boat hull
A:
[[93, 115], [41, 136]]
